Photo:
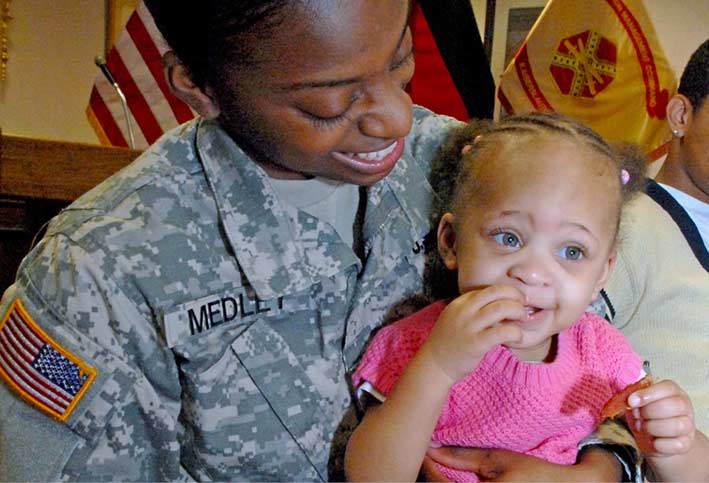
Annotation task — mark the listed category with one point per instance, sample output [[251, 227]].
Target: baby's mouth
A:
[[532, 310]]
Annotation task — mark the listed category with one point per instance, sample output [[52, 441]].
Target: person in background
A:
[[658, 294], [684, 175], [515, 361], [196, 315]]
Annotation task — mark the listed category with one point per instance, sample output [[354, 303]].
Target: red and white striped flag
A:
[[135, 62]]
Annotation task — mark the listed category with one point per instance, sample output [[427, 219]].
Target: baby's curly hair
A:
[[454, 172]]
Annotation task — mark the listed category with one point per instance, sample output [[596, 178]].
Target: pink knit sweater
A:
[[543, 410]]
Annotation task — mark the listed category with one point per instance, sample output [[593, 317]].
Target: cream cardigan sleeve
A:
[[660, 295]]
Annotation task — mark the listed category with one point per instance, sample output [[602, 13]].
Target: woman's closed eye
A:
[[329, 122], [403, 61], [332, 121], [326, 120]]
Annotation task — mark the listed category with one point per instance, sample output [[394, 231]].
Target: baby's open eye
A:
[[507, 239], [572, 253]]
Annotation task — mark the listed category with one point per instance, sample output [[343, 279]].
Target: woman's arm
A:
[[595, 464], [121, 425]]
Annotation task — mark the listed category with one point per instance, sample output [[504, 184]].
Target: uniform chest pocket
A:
[[391, 281], [397, 255], [252, 410]]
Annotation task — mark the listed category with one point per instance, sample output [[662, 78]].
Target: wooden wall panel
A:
[[37, 179], [55, 170]]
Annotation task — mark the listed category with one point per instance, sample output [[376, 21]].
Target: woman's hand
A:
[[595, 464], [470, 326]]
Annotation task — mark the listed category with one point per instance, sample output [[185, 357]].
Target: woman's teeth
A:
[[374, 155]]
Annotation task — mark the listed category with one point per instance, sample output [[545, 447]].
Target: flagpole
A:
[[101, 63]]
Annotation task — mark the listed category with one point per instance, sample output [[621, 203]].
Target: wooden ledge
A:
[[55, 170]]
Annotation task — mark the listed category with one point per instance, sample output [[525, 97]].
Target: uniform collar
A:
[[409, 185], [256, 225], [272, 258]]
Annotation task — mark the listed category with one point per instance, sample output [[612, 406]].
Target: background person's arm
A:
[[658, 296]]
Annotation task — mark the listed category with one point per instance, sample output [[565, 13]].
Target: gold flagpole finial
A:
[[4, 39]]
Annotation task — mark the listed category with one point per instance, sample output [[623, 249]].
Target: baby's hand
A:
[[663, 419], [470, 326]]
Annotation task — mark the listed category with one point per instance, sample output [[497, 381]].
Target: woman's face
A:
[[326, 95]]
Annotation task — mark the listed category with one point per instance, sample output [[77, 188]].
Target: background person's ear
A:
[[446, 242], [679, 114], [178, 78]]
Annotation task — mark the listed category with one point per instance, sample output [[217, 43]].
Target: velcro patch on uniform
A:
[[203, 315], [41, 371]]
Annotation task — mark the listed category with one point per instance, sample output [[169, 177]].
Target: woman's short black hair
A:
[[210, 34]]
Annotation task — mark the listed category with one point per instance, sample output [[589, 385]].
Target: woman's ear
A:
[[679, 114], [178, 78], [446, 241]]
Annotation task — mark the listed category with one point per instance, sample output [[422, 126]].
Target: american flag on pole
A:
[[136, 64], [36, 367], [600, 62]]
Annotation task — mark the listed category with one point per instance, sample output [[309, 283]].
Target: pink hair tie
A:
[[624, 176], [469, 147]]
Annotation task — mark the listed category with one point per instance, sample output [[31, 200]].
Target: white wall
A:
[[53, 44], [51, 68], [681, 26]]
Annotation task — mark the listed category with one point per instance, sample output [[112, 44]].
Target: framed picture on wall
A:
[[117, 14], [512, 21]]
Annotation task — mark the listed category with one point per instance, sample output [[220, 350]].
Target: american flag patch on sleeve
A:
[[41, 371]]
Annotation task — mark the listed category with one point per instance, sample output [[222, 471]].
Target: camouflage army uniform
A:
[[220, 331]]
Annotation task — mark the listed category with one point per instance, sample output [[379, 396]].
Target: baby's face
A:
[[547, 226]]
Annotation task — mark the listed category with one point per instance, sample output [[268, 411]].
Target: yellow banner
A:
[[600, 62]]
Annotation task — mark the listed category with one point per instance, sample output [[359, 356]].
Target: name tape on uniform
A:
[[202, 315], [41, 371]]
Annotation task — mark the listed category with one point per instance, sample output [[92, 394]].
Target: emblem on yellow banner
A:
[[584, 64]]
